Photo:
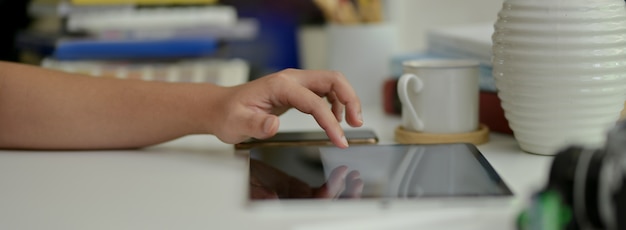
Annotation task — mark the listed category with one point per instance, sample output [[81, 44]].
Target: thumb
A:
[[263, 125]]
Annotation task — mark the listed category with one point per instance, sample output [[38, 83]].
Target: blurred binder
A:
[[224, 72], [244, 29], [134, 49], [143, 2], [152, 18]]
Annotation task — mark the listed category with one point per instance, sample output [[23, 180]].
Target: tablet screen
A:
[[372, 171]]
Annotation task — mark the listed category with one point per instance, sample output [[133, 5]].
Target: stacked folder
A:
[[142, 2], [158, 37], [472, 41]]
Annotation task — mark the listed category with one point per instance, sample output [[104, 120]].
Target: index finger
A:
[[324, 82], [308, 102]]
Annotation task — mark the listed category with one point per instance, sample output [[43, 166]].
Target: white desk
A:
[[196, 182]]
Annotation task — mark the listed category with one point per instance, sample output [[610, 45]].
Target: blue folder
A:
[[135, 49]]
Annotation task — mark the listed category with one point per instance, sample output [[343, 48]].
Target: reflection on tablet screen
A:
[[372, 171]]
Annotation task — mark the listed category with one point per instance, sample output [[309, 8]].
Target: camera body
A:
[[586, 188]]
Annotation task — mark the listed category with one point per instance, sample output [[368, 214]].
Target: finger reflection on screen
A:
[[342, 183], [268, 182]]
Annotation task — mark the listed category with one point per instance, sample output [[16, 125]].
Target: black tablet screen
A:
[[372, 171]]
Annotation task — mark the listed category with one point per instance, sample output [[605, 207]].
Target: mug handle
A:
[[403, 94]]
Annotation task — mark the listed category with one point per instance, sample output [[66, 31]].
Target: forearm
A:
[[45, 109]]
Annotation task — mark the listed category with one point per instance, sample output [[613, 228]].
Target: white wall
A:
[[410, 20], [413, 17]]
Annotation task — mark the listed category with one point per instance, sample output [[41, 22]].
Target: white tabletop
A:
[[196, 182]]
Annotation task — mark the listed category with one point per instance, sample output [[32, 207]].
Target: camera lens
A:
[[576, 173], [592, 182]]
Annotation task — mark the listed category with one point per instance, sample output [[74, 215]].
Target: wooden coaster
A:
[[477, 137]]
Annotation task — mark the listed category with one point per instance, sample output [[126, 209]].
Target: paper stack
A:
[[471, 41]]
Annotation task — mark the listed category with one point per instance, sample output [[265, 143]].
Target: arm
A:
[[47, 109]]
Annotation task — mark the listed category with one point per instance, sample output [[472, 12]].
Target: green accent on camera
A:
[[546, 212]]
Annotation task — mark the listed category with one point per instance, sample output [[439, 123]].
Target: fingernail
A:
[[360, 117], [344, 141], [268, 124]]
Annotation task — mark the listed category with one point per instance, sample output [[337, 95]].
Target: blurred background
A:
[[275, 44], [229, 42]]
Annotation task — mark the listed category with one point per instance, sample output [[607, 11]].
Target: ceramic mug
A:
[[439, 95], [361, 53]]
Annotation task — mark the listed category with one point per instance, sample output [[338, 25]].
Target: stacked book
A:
[[163, 40], [471, 41]]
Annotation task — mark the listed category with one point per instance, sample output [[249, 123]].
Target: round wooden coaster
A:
[[477, 137]]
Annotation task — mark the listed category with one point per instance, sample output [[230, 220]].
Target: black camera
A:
[[586, 188]]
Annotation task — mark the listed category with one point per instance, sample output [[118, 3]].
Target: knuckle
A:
[[280, 80], [337, 74], [286, 73], [282, 76], [321, 103], [314, 106], [275, 81]]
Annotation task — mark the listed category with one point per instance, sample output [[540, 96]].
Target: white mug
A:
[[439, 95], [361, 53]]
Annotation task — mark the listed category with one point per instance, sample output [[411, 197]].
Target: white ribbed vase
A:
[[560, 70]]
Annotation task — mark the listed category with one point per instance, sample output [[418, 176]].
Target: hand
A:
[[267, 182], [252, 109]]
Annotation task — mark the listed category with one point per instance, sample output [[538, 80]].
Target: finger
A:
[[336, 181], [261, 125], [355, 189], [337, 107], [353, 175], [324, 82], [354, 185], [354, 116], [308, 102]]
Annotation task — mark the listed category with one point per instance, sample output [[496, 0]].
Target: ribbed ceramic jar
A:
[[560, 70]]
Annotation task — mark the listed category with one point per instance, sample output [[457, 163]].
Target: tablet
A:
[[299, 138], [380, 174]]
